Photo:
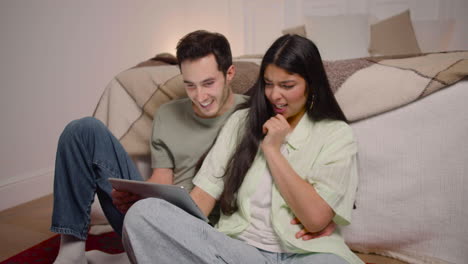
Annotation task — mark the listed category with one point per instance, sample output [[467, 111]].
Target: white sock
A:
[[100, 229], [99, 257], [72, 250]]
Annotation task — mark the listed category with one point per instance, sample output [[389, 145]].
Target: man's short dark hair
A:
[[201, 43]]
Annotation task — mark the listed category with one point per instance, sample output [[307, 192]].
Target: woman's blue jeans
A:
[[87, 155]]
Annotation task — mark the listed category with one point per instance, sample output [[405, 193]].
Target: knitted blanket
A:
[[364, 87]]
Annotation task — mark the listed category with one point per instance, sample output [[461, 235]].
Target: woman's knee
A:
[[135, 214], [145, 211]]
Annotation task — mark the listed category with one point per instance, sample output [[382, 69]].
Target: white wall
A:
[[56, 57], [264, 19]]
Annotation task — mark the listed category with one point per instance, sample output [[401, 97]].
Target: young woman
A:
[[288, 154]]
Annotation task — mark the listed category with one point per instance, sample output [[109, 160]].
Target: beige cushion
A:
[[394, 36], [298, 30], [339, 37]]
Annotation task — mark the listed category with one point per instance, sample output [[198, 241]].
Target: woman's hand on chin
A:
[[275, 129]]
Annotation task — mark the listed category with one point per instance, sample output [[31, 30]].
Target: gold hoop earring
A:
[[312, 102]]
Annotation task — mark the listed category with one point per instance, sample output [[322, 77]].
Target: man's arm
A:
[[162, 176]]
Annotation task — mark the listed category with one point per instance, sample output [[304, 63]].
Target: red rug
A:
[[46, 251]]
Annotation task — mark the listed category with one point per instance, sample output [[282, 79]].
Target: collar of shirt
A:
[[300, 134]]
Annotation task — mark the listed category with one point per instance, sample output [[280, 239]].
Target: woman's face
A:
[[286, 93]]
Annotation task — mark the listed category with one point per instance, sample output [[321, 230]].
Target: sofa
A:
[[408, 115]]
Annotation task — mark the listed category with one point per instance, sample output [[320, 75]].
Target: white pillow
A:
[[340, 37], [298, 30], [434, 35]]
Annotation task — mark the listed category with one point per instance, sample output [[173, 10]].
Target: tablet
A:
[[177, 196]]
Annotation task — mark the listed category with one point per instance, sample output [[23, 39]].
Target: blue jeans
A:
[[156, 231], [87, 155]]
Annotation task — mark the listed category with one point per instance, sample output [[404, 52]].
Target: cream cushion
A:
[[339, 37], [298, 30], [434, 35]]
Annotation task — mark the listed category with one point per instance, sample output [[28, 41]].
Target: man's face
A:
[[207, 87]]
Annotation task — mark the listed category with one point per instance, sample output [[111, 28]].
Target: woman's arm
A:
[[203, 200], [308, 206]]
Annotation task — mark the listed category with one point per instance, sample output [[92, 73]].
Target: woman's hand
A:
[[123, 200], [306, 235], [276, 128]]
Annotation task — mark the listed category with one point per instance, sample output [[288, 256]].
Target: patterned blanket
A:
[[368, 87], [364, 87]]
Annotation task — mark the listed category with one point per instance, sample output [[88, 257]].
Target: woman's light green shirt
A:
[[323, 153]]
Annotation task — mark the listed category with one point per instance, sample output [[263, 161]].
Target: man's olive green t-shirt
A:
[[180, 138]]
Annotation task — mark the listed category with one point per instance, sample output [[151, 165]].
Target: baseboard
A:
[[26, 188]]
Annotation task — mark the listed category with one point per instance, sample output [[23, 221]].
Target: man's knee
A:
[[84, 124], [83, 127]]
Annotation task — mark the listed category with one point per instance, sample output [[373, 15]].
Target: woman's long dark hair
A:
[[294, 54]]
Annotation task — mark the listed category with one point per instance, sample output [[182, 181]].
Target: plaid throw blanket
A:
[[363, 87], [370, 86]]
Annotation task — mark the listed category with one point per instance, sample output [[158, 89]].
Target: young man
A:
[[88, 154], [183, 130]]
